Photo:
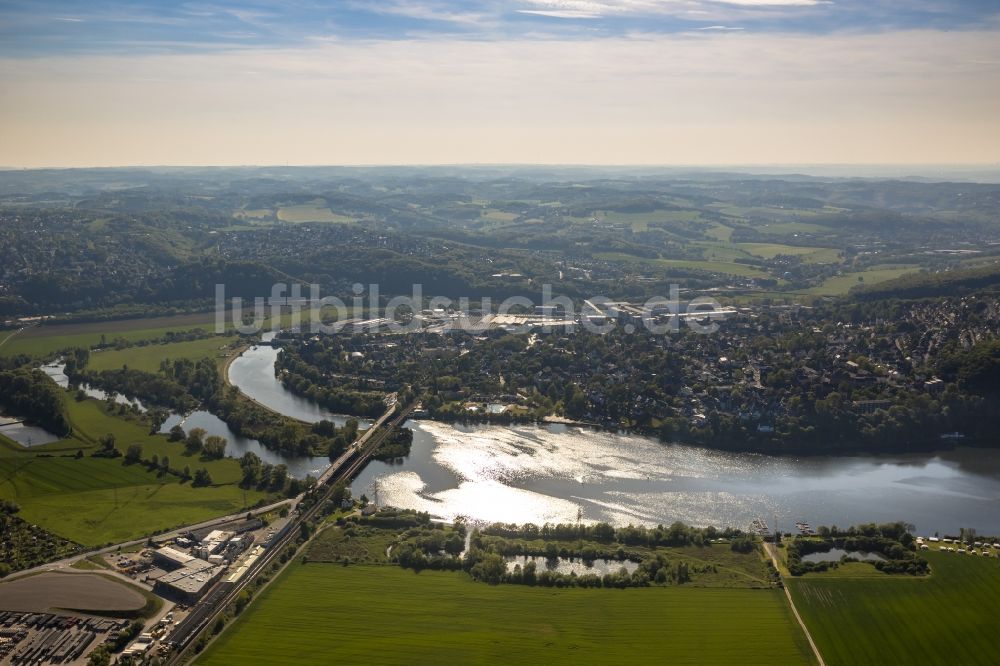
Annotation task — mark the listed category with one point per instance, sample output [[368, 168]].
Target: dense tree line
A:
[[395, 445], [32, 395], [893, 541], [486, 558], [273, 478], [976, 369]]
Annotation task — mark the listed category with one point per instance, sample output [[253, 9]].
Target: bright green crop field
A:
[[329, 613], [949, 617]]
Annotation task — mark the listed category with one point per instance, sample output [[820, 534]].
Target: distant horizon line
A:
[[591, 165]]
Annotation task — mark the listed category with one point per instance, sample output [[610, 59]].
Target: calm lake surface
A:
[[25, 435], [548, 474], [253, 374], [566, 566], [56, 372], [834, 555]]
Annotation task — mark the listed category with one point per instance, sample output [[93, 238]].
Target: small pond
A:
[[25, 435], [566, 566], [834, 555]]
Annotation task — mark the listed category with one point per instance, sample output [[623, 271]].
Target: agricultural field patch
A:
[[813, 255], [947, 617], [841, 284], [315, 211], [44, 340], [721, 267], [444, 617], [93, 501], [148, 357]]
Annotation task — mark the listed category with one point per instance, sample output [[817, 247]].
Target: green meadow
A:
[[45, 340], [148, 357], [722, 267], [328, 613], [812, 255], [839, 285], [315, 211], [949, 617], [94, 501]]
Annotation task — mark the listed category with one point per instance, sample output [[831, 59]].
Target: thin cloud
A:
[[560, 13], [424, 11], [906, 97], [599, 8]]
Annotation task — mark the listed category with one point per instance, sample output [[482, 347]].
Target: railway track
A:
[[224, 592]]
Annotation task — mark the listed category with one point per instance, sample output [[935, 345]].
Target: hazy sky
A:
[[489, 81]]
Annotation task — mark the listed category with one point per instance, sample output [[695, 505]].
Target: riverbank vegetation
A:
[[34, 397], [891, 542], [600, 555], [184, 383]]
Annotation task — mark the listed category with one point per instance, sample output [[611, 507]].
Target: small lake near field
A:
[[56, 372], [556, 473], [834, 555], [566, 566], [25, 435], [298, 466]]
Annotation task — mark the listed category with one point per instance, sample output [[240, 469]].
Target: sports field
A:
[[949, 617], [329, 613]]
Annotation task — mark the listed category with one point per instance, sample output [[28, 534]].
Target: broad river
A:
[[555, 473]]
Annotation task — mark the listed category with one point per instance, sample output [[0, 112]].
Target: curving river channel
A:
[[557, 473]]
